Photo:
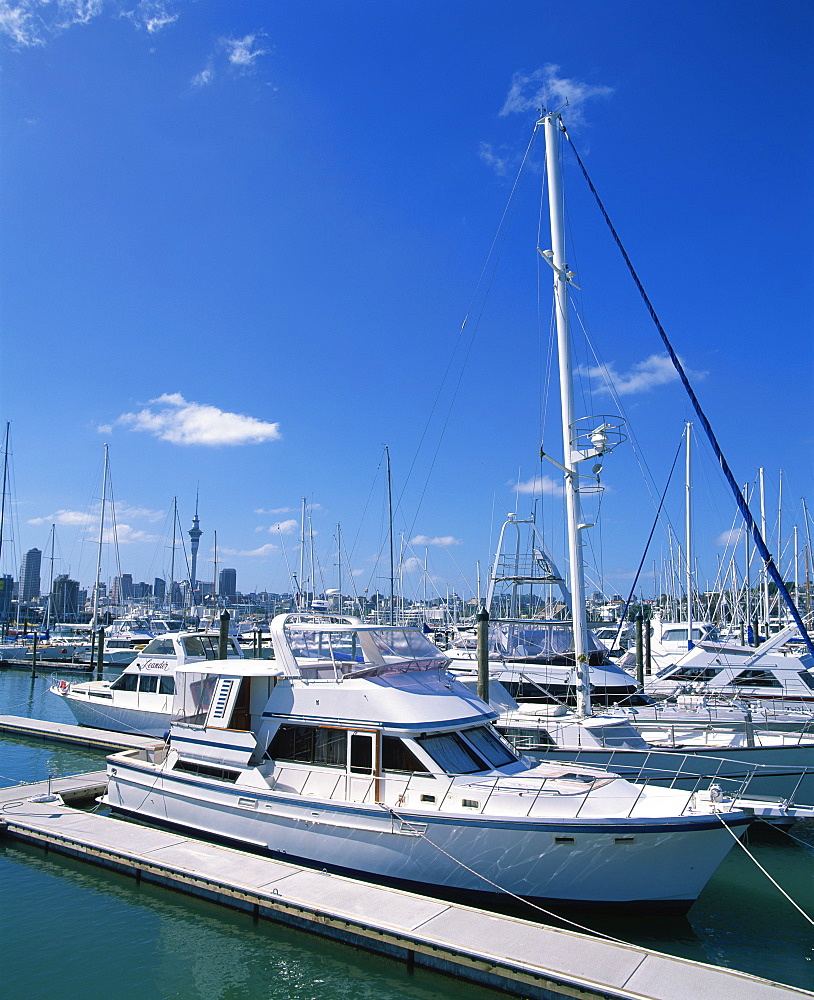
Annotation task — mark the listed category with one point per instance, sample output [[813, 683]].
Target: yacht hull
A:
[[625, 860], [118, 720]]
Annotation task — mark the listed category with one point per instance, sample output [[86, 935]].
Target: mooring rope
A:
[[500, 888], [774, 882]]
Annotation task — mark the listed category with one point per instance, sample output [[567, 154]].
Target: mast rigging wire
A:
[[761, 546]]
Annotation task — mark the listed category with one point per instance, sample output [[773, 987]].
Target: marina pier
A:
[[515, 956]]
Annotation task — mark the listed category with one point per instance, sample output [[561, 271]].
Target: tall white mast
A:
[[302, 557], [172, 557], [765, 575], [560, 267], [688, 538], [99, 550], [50, 580]]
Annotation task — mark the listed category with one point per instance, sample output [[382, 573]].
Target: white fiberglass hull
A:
[[574, 859], [119, 720]]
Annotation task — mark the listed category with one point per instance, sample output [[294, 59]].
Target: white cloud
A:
[[152, 15], [243, 52], [88, 520], [72, 518], [442, 541], [35, 22], [412, 565], [204, 78], [264, 550], [21, 25], [543, 485], [499, 162], [124, 510], [645, 375], [730, 537], [186, 423], [273, 510], [545, 88], [285, 527], [125, 535]]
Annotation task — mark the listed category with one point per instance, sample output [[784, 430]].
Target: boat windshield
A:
[[364, 652], [469, 750], [206, 646]]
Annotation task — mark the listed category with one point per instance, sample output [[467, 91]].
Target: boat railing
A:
[[524, 795]]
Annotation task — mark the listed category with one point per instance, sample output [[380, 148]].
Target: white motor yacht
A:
[[140, 699], [776, 671], [358, 750], [535, 661]]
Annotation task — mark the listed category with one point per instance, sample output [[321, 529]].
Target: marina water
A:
[[74, 930]]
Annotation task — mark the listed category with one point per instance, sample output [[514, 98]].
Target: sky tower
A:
[[195, 540]]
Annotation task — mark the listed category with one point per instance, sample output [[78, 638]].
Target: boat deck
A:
[[506, 953]]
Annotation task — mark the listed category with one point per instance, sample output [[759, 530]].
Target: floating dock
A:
[[506, 953], [61, 732]]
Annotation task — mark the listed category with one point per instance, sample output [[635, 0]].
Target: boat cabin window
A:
[[206, 770], [166, 685], [806, 678], [452, 753], [148, 683], [159, 647], [397, 756], [206, 646], [680, 634], [310, 745], [490, 746], [361, 753], [696, 673], [757, 678], [127, 682]]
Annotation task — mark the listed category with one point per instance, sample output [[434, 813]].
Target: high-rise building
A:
[[30, 575], [227, 583], [121, 589], [6, 591], [65, 598], [159, 590]]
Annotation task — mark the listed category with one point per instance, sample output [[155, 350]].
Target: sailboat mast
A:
[[3, 494], [95, 619], [688, 537], [172, 556], [765, 575], [390, 523], [553, 126], [50, 581], [302, 557]]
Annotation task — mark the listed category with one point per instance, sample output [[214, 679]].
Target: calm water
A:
[[73, 930]]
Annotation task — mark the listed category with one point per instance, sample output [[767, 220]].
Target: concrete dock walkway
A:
[[513, 955], [62, 732]]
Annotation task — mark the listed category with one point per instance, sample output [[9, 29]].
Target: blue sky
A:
[[239, 241]]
